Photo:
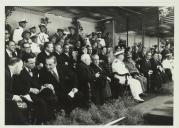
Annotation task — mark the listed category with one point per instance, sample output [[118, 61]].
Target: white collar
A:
[[8, 51], [47, 53], [27, 69], [10, 72]]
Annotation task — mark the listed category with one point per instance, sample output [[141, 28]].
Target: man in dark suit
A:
[[86, 79], [57, 53], [62, 80], [67, 60], [48, 50], [158, 72], [146, 68], [29, 84], [10, 51], [13, 115], [100, 81], [25, 49]]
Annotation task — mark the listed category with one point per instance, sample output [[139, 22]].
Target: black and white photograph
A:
[[89, 65]]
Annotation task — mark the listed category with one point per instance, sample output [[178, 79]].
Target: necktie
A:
[[30, 72], [55, 75]]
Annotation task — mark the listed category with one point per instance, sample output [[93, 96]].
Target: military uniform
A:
[[135, 86], [17, 34]]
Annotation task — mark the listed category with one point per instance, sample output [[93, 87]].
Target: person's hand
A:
[[75, 90], [34, 90], [150, 72], [27, 97], [16, 98], [97, 75], [50, 86]]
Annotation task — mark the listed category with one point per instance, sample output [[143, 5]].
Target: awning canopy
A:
[[148, 16]]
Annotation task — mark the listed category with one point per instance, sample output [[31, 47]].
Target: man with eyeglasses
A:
[[26, 48]]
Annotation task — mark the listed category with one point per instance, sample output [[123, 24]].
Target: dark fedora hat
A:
[[25, 32]]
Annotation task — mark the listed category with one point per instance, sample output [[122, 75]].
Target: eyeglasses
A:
[[27, 47]]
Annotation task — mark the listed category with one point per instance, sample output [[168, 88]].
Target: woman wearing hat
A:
[[42, 36], [25, 38], [118, 67], [33, 31]]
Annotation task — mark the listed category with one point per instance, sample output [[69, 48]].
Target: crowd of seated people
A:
[[46, 73]]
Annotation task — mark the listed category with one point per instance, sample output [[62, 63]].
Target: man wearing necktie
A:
[[30, 84], [60, 80]]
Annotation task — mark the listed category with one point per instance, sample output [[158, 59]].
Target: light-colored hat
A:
[[32, 27], [99, 32], [42, 25], [119, 52], [23, 20]]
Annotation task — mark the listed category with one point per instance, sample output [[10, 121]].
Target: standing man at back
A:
[[19, 30]]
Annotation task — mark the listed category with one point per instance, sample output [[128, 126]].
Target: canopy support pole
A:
[[127, 28]]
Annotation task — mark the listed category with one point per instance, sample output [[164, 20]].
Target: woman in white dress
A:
[[118, 67]]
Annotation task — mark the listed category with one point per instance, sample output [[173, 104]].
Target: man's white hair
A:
[[84, 57]]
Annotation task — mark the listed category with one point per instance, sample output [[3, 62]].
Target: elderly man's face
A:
[[18, 67], [87, 60], [50, 64], [96, 60]]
